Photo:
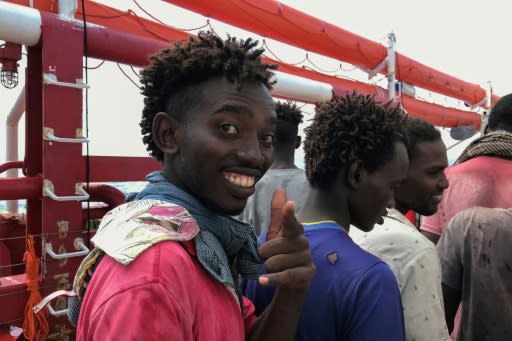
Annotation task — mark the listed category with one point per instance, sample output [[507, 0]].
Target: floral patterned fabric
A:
[[128, 230]]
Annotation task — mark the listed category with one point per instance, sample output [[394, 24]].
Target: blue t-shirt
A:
[[354, 296]]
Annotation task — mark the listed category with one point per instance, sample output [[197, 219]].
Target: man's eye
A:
[[434, 171], [268, 138], [395, 187], [229, 129]]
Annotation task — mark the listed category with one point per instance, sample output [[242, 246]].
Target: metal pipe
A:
[[30, 187], [306, 90], [488, 105], [275, 20], [20, 24], [105, 193], [391, 66], [11, 145], [10, 165], [67, 9], [108, 44], [12, 128], [116, 46], [113, 45]]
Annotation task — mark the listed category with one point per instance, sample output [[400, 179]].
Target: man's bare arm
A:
[[451, 299], [434, 238]]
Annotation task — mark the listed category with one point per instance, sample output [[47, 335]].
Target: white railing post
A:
[[391, 66], [67, 8], [11, 145]]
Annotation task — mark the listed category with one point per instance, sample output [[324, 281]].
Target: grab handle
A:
[[49, 135], [78, 244], [49, 190], [51, 79], [45, 302]]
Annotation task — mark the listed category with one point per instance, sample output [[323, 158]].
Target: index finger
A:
[[290, 227], [279, 199]]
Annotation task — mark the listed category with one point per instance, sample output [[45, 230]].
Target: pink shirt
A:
[[482, 181], [165, 294]]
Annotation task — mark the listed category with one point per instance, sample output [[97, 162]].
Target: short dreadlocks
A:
[[168, 82], [289, 117], [288, 111], [350, 128]]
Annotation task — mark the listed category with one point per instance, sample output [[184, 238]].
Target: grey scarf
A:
[[221, 236]]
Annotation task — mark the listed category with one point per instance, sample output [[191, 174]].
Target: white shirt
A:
[[415, 263]]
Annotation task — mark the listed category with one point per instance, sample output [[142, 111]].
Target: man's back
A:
[[415, 263], [354, 295], [476, 257], [257, 210], [482, 181]]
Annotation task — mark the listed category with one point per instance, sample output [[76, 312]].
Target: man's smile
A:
[[240, 180]]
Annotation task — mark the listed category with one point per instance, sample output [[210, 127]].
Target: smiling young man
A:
[[166, 265], [481, 175], [410, 255], [355, 159]]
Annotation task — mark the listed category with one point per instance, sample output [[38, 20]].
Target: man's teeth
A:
[[240, 180]]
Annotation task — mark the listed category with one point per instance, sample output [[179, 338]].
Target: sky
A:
[[463, 38]]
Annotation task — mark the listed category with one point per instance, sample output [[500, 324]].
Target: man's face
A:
[[224, 144], [376, 193], [425, 182]]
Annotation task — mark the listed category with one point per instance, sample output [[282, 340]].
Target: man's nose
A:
[[444, 183], [250, 153]]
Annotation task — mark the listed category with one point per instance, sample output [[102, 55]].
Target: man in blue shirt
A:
[[355, 158]]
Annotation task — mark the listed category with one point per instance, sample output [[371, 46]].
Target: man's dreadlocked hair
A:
[[167, 83], [289, 117], [288, 111], [350, 128]]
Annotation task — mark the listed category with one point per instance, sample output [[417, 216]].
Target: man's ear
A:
[[298, 141], [355, 174], [166, 133]]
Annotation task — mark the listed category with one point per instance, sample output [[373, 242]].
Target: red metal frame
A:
[[10, 165], [434, 113], [104, 193], [116, 168], [21, 188], [124, 30], [60, 52]]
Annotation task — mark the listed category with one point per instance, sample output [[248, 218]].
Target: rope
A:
[[129, 78], [35, 326]]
